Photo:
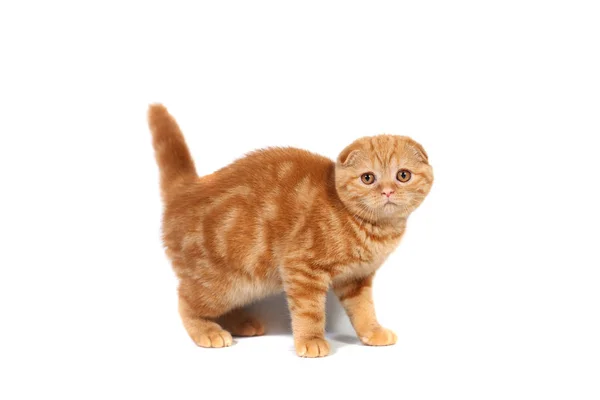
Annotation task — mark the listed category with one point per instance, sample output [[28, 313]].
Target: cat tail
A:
[[172, 154]]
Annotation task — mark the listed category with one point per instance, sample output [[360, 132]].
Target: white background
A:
[[494, 292]]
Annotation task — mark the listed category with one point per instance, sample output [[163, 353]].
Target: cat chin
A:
[[389, 208], [392, 212]]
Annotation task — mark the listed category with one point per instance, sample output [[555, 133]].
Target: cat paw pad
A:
[[310, 348], [214, 339], [249, 327], [379, 337]]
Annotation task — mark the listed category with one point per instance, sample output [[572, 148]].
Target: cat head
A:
[[383, 177]]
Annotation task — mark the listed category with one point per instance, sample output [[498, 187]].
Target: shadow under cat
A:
[[273, 312]]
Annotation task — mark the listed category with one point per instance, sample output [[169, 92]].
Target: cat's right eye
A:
[[367, 178]]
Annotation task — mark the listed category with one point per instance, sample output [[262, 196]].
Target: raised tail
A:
[[172, 154]]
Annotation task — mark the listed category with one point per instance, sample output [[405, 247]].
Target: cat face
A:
[[383, 177]]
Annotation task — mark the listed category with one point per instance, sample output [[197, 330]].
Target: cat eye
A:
[[367, 178], [403, 175]]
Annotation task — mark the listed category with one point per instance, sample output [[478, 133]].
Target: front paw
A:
[[313, 347], [379, 337]]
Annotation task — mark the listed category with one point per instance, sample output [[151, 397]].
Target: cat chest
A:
[[373, 252], [365, 260], [353, 271]]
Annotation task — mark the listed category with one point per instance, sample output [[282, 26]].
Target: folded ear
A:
[[421, 152], [349, 157]]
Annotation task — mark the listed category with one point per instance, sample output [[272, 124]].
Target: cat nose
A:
[[387, 193]]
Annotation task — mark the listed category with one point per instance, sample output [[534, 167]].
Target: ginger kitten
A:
[[285, 219]]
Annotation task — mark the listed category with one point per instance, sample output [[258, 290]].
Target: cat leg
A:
[[202, 330], [357, 299], [306, 290], [239, 323]]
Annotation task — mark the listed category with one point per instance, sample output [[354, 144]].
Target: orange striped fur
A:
[[284, 219]]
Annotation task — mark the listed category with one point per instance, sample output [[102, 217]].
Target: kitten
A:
[[284, 219]]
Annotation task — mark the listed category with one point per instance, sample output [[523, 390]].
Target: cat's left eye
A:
[[367, 178], [403, 175]]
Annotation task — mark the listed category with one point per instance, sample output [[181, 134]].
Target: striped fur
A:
[[284, 219]]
